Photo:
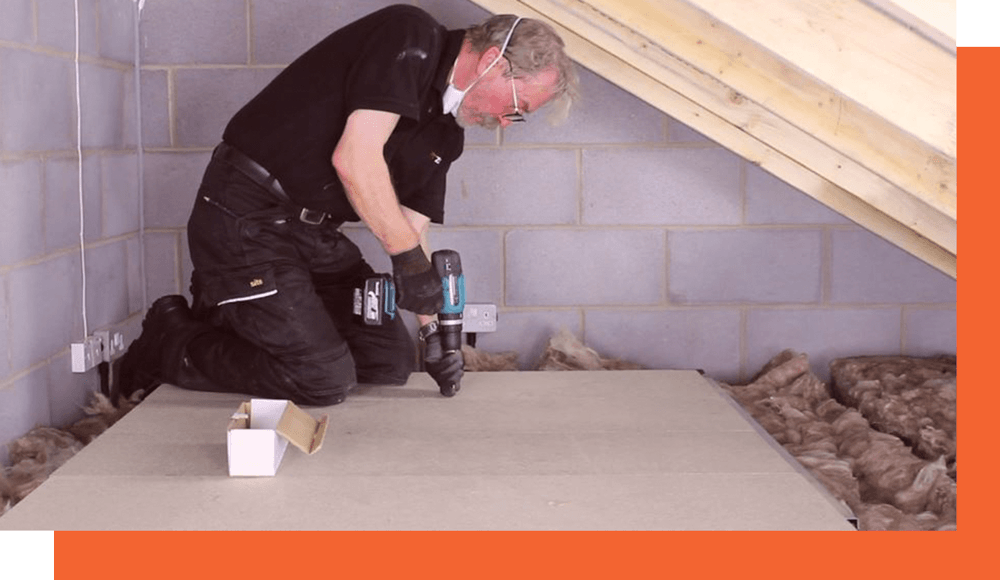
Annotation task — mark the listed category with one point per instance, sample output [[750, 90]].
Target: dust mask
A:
[[452, 97]]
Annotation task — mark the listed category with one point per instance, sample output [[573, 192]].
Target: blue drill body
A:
[[377, 301]]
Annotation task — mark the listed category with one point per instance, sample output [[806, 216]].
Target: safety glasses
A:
[[516, 116]]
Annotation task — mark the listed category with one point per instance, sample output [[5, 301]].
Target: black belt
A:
[[262, 177]]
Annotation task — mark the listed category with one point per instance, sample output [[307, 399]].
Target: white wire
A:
[[79, 176], [79, 157], [139, 153]]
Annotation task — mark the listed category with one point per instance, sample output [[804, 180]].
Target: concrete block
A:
[[194, 32], [45, 309], [162, 265], [37, 91], [133, 266], [155, 108], [117, 29], [669, 339], [5, 369], [584, 267], [475, 136], [772, 201], [102, 97], [130, 132], [589, 120], [207, 98], [18, 22], [481, 252], [512, 186], [661, 186], [678, 132], [170, 185], [24, 404], [930, 331], [527, 333], [369, 245], [755, 266], [866, 269], [62, 191], [21, 220], [57, 25], [823, 334], [120, 177], [311, 21], [482, 260], [107, 285]]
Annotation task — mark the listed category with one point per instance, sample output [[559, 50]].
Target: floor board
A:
[[605, 450]]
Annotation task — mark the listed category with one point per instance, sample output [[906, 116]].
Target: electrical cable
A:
[[139, 152], [79, 176], [79, 156]]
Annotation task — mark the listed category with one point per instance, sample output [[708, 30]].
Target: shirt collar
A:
[[453, 45]]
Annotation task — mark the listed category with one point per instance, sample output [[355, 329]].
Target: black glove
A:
[[418, 286], [445, 368]]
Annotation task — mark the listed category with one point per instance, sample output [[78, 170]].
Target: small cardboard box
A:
[[260, 431]]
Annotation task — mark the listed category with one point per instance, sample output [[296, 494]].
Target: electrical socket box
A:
[[113, 343], [102, 346], [87, 354], [479, 318]]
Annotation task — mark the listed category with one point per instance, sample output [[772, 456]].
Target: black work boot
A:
[[142, 366]]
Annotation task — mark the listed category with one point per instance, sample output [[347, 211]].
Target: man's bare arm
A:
[[362, 169]]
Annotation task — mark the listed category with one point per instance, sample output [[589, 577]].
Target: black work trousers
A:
[[278, 295]]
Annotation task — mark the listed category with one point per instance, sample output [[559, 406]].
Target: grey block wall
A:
[[647, 240], [44, 183]]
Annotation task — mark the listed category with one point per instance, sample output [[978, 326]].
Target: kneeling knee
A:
[[326, 399], [323, 383], [397, 378]]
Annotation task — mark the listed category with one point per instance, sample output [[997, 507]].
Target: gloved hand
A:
[[418, 286], [445, 368]]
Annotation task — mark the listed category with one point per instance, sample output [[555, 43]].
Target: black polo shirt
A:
[[395, 60]]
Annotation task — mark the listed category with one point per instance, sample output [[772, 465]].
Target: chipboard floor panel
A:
[[603, 450]]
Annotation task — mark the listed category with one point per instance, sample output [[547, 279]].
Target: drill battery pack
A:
[[376, 302]]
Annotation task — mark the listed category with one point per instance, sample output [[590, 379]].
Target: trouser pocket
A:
[[218, 288]]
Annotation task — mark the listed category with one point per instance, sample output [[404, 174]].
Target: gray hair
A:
[[534, 47]]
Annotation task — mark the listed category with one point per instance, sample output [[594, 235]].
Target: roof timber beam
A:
[[935, 19], [849, 47], [614, 49], [688, 46]]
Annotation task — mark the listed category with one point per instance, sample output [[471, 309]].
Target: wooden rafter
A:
[[725, 78]]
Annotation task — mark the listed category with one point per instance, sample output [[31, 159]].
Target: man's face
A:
[[493, 97]]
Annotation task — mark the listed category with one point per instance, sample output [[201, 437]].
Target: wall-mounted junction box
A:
[[102, 346], [479, 318]]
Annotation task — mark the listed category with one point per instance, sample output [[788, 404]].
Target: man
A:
[[363, 126]]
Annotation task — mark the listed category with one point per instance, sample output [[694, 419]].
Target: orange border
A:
[[112, 555]]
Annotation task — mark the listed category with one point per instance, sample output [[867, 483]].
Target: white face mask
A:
[[452, 97]]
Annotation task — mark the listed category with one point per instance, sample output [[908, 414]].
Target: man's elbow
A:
[[340, 163]]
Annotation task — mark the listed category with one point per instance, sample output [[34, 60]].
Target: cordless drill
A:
[[449, 267], [376, 302]]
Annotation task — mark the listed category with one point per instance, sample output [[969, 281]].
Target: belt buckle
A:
[[313, 217]]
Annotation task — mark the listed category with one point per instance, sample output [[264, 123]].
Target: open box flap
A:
[[301, 430], [241, 418]]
